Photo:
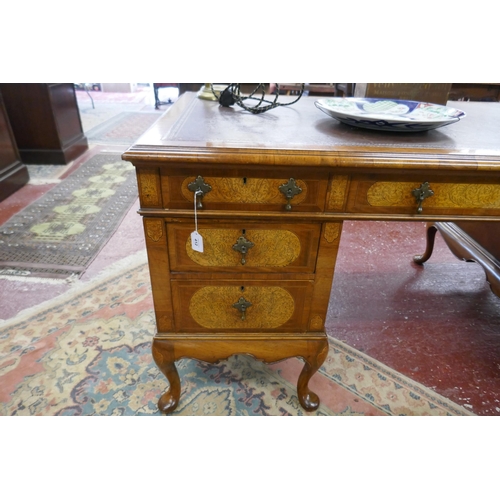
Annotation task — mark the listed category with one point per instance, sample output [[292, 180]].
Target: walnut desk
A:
[[271, 193]]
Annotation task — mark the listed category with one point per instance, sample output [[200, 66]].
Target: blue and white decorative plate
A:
[[389, 114]]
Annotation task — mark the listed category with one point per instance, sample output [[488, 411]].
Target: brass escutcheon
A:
[[200, 188], [242, 245], [290, 189], [242, 305], [421, 193]]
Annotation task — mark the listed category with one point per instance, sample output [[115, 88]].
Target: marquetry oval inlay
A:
[[277, 248], [212, 307], [245, 190], [460, 195]]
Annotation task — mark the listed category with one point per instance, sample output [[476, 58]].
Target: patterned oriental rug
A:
[[88, 352], [59, 235], [124, 128]]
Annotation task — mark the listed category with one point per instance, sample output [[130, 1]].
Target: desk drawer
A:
[[253, 247], [252, 191], [387, 194], [224, 305]]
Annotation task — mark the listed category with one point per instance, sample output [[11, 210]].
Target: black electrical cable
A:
[[232, 95]]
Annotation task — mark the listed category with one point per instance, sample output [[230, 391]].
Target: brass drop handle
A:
[[242, 245], [200, 188], [290, 189], [242, 305], [421, 193]]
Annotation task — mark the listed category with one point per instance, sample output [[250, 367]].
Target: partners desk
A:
[[268, 194]]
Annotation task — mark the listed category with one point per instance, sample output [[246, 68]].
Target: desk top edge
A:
[[180, 135]]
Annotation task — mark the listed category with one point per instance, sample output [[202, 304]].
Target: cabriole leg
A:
[[431, 236], [163, 356]]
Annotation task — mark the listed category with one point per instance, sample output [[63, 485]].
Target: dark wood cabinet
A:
[[475, 92], [45, 121], [13, 174], [426, 92]]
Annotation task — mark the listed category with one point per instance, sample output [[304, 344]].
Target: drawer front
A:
[[247, 193], [231, 306], [250, 247], [439, 197]]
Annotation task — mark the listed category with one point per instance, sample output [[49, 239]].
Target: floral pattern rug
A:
[[88, 352]]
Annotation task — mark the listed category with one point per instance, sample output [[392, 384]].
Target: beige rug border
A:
[[395, 376]]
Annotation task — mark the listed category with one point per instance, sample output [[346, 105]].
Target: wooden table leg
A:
[[464, 247], [308, 399], [163, 354], [431, 236], [312, 347]]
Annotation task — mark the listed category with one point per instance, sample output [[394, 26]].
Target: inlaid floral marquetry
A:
[[154, 229], [332, 231], [212, 307], [245, 190], [316, 323], [445, 195], [338, 192], [148, 187], [277, 248]]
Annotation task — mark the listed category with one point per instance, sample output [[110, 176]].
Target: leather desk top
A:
[[300, 134]]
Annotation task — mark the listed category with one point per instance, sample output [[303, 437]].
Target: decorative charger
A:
[[389, 114]]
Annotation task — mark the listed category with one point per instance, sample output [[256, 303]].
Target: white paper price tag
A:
[[197, 241]]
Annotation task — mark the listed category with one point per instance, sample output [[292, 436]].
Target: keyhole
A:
[[243, 231], [242, 288], [244, 180]]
